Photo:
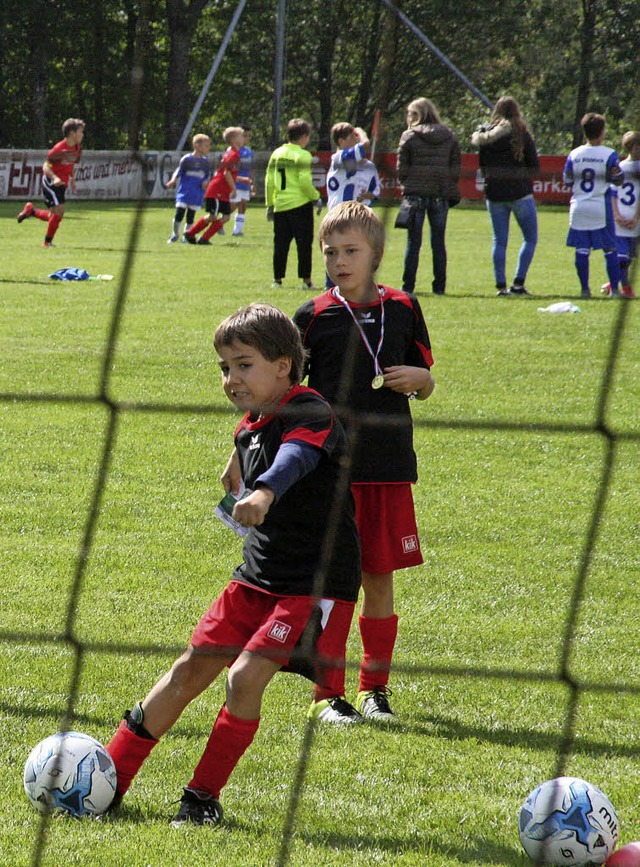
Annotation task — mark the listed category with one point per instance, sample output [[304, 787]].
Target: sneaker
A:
[[236, 234], [586, 293], [191, 239], [627, 292], [334, 710], [221, 232], [503, 291], [309, 287], [197, 807], [374, 704], [605, 289], [204, 242], [46, 243], [172, 239], [518, 290], [27, 211], [277, 284], [184, 240]]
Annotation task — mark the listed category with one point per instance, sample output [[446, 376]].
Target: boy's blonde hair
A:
[[200, 138], [354, 215], [230, 132], [630, 139]]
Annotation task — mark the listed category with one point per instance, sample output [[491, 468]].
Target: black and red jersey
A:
[[283, 555], [341, 368]]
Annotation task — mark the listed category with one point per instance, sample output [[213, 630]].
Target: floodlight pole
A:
[[212, 72], [437, 53], [279, 71]]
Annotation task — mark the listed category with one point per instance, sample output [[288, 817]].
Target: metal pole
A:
[[279, 71], [438, 53], [212, 72]]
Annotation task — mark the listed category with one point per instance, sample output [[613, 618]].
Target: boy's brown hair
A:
[[296, 128], [592, 125], [354, 215], [72, 124], [341, 130], [267, 329], [629, 139]]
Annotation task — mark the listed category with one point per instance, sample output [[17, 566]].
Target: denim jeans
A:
[[436, 210], [524, 210]]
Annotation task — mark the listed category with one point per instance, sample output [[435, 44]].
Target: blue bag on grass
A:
[[70, 274]]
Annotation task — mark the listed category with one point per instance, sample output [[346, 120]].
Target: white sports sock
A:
[[238, 226]]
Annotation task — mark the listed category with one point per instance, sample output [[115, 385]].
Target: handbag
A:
[[405, 212]]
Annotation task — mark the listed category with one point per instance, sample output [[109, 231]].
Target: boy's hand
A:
[[251, 510], [409, 380], [270, 213], [231, 476]]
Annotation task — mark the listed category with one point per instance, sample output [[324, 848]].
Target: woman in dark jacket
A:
[[509, 161], [428, 169]]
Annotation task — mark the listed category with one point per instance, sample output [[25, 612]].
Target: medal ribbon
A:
[[376, 367]]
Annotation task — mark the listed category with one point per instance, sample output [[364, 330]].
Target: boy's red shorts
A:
[[303, 634], [386, 521]]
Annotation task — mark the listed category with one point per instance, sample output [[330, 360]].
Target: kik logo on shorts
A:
[[279, 631], [409, 544]]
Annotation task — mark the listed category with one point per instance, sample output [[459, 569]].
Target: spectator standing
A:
[[428, 169], [508, 162]]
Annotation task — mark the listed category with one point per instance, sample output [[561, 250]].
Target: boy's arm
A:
[[615, 175], [230, 181], [294, 460], [232, 474], [567, 172]]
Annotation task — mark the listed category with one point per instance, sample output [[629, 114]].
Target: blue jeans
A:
[[436, 210], [524, 210]]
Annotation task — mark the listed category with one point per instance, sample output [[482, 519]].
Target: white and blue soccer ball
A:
[[70, 772], [568, 822]]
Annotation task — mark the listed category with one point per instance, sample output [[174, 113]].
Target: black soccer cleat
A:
[[198, 808]]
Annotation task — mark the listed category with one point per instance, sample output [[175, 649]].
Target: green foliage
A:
[[511, 461]]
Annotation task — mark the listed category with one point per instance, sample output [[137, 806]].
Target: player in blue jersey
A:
[[626, 212], [351, 176], [590, 170], [245, 189], [191, 176]]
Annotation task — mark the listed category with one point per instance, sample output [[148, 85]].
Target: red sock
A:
[[378, 640], [52, 226], [197, 227], [229, 739], [213, 228], [128, 751], [41, 214]]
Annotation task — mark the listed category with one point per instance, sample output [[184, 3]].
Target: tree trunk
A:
[[587, 37], [182, 19]]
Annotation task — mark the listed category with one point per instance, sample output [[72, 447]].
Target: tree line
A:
[[342, 61]]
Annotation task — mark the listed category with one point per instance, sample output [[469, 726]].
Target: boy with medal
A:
[[368, 353]]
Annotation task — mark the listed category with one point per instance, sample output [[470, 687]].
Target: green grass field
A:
[[528, 509]]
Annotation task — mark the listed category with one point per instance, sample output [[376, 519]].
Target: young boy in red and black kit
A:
[[57, 175], [290, 603], [221, 187], [368, 352]]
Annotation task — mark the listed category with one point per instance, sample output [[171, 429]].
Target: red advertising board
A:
[[548, 186]]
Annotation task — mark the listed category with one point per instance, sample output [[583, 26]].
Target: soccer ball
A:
[[71, 772], [569, 822]]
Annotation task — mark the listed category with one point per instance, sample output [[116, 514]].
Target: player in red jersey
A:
[[368, 352], [57, 175], [289, 604], [221, 186]]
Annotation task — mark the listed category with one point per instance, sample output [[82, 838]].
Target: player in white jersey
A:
[[590, 170], [351, 176], [626, 212]]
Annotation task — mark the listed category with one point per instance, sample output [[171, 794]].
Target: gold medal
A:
[[377, 381]]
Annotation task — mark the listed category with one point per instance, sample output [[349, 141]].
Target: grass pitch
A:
[[517, 653]]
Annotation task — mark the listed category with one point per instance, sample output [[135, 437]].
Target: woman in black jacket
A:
[[428, 169], [509, 161]]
